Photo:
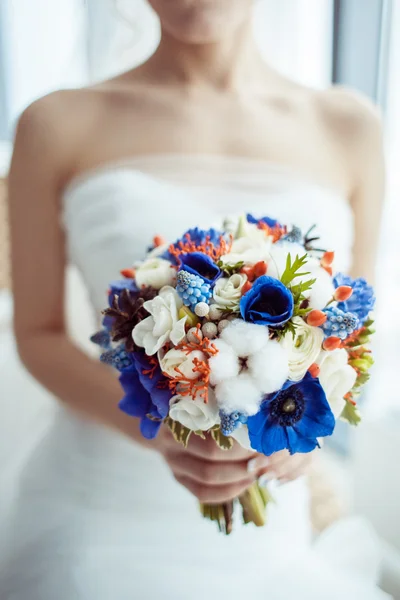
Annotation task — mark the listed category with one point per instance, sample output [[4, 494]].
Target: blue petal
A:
[[267, 220], [298, 443], [149, 428], [266, 437], [135, 405]]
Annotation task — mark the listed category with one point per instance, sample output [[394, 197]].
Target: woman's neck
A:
[[232, 63]]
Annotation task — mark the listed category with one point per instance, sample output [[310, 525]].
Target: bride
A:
[[203, 129]]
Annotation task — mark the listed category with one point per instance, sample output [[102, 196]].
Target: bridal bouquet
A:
[[242, 334]]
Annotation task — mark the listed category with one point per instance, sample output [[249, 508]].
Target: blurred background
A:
[[47, 45]]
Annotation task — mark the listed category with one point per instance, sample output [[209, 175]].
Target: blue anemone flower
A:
[[267, 220], [362, 300], [201, 265], [147, 394], [268, 302], [292, 418]]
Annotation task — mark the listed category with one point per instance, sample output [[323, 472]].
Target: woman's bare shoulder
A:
[[349, 115]]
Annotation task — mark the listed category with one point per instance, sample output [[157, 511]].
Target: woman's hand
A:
[[214, 475]]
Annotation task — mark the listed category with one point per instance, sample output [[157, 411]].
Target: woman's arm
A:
[[356, 127], [45, 148]]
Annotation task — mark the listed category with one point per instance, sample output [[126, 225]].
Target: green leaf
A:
[[299, 289], [293, 270], [225, 443], [351, 414], [362, 379], [230, 269], [180, 433]]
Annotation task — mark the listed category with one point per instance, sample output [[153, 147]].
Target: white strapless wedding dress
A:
[[97, 517]]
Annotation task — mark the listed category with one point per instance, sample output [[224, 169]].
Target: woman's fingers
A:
[[208, 494], [209, 450], [285, 467], [208, 472]]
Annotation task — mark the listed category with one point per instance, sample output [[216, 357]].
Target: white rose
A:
[[155, 272], [195, 414], [303, 349], [337, 378], [163, 324], [228, 291], [182, 360], [249, 250]]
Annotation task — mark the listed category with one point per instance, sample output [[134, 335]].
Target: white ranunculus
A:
[[163, 324], [337, 377], [228, 291], [195, 414], [155, 272], [181, 360], [249, 250], [303, 349]]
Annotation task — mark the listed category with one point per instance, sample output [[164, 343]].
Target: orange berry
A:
[[247, 286], [128, 273], [316, 318], [260, 268], [327, 259], [314, 370], [249, 271], [332, 343], [343, 293], [158, 240], [328, 269]]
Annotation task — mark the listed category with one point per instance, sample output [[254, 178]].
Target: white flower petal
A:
[[303, 349], [178, 332], [155, 272], [194, 414], [241, 435], [179, 359], [155, 331], [228, 291], [337, 377]]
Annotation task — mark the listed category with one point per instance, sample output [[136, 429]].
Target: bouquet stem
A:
[[253, 502]]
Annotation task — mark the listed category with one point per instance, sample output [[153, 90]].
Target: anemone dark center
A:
[[288, 407]]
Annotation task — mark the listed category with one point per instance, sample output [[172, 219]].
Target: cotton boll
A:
[[223, 365], [245, 338], [269, 367], [238, 394]]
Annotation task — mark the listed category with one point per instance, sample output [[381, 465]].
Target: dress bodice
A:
[[112, 213]]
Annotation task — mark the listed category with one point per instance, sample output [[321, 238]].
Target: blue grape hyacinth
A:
[[339, 323], [230, 422], [192, 289]]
